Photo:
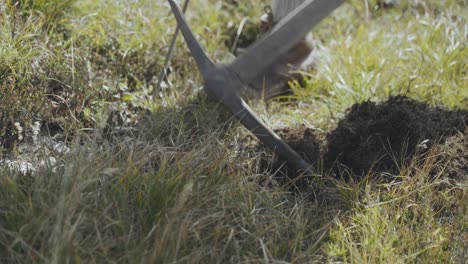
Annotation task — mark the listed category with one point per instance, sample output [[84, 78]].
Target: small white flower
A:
[[18, 127], [19, 165], [61, 148], [36, 128]]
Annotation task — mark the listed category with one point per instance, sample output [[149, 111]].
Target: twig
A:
[[239, 32], [168, 55]]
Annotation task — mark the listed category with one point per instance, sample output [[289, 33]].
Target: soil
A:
[[303, 140], [383, 137]]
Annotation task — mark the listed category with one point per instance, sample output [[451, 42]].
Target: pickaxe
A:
[[223, 82]]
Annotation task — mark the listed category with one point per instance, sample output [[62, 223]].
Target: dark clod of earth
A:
[[384, 137]]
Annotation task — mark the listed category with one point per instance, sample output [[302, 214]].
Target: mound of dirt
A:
[[382, 137]]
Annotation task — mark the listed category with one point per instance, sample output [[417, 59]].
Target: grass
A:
[[183, 187]]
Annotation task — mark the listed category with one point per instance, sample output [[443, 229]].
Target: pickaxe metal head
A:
[[223, 82]]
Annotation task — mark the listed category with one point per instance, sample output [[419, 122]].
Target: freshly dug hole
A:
[[304, 141]]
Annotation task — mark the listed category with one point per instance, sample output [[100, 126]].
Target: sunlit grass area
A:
[[136, 175]]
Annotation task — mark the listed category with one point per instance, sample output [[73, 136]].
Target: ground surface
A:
[[98, 166]]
